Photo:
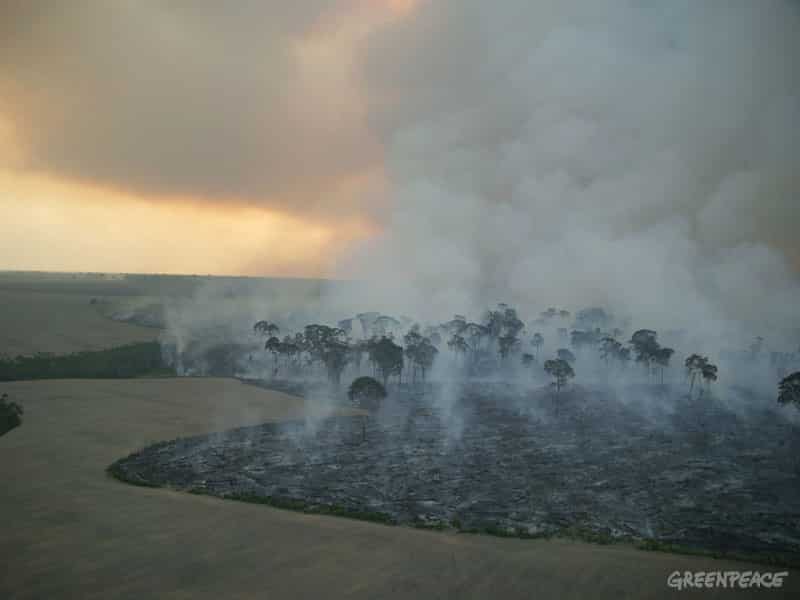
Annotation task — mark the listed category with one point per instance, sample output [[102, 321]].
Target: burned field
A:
[[692, 473]]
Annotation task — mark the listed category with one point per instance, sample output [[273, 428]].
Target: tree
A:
[[507, 344], [646, 346], [560, 370], [266, 328], [387, 357], [456, 325], [325, 345], [10, 414], [366, 393], [581, 339], [527, 360], [709, 373], [425, 355], [699, 366], [273, 346], [474, 334], [565, 355], [661, 358], [420, 351], [694, 366], [335, 356], [458, 344], [789, 389], [609, 349], [537, 342]]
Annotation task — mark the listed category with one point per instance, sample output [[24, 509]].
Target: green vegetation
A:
[[132, 360], [10, 414]]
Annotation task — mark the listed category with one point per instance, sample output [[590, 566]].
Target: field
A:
[[70, 530]]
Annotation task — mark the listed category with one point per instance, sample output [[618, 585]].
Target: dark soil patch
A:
[[679, 473]]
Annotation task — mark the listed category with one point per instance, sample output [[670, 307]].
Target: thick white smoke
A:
[[642, 156]]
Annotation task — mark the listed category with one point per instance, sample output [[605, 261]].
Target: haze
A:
[[454, 153]]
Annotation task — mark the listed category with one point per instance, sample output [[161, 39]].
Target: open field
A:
[[71, 531], [60, 323]]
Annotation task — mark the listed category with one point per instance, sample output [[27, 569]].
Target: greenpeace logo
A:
[[725, 579]]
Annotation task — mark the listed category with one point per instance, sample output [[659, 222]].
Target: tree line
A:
[[497, 341]]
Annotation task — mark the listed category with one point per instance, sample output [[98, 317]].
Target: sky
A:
[[632, 153], [186, 137]]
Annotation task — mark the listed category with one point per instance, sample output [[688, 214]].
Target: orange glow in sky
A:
[[52, 225]]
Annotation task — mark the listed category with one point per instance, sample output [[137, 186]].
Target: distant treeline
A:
[[132, 360]]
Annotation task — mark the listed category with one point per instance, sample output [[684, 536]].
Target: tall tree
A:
[[537, 342], [388, 358], [366, 393], [661, 357], [645, 345], [273, 346], [700, 366], [420, 351], [335, 356], [560, 370], [609, 349], [694, 367], [458, 344], [506, 345], [709, 373], [266, 328]]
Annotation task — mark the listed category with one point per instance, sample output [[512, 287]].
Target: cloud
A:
[[641, 155], [251, 101]]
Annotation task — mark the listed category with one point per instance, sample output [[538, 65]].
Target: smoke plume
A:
[[636, 155]]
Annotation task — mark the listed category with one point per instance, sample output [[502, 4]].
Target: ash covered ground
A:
[[691, 472]]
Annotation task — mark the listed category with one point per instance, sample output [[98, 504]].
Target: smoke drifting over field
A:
[[635, 155]]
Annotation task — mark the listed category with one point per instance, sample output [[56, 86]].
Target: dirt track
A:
[[70, 531]]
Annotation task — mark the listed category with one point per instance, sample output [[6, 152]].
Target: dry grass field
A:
[[71, 531], [34, 321]]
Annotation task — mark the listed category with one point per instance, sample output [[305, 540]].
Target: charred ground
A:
[[692, 472]]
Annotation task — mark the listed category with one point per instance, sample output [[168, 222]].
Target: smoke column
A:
[[641, 156]]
